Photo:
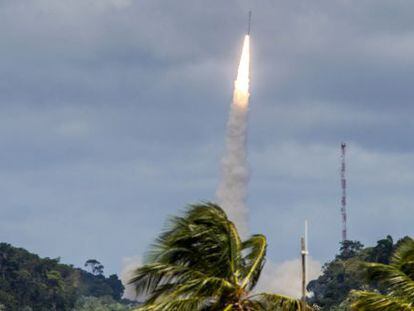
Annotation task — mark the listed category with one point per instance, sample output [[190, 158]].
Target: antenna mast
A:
[[304, 253], [343, 186]]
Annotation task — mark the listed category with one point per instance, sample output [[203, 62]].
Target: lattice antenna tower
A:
[[343, 186]]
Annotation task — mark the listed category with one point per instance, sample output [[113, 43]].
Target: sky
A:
[[113, 115]]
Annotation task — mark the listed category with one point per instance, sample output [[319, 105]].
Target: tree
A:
[[99, 304], [95, 266], [382, 251], [344, 273], [116, 285], [200, 263], [339, 277], [349, 249], [28, 282], [396, 282]]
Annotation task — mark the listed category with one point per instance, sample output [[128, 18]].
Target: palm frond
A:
[[203, 287], [372, 301], [200, 263], [392, 278], [268, 302], [151, 276], [403, 257], [254, 260], [181, 304], [203, 239], [396, 280], [403, 254], [235, 252]]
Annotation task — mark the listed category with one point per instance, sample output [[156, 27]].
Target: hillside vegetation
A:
[[345, 273], [28, 282]]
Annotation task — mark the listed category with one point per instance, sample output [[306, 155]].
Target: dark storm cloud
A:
[[112, 116]]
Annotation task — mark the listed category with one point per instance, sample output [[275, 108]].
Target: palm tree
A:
[[200, 263], [397, 280]]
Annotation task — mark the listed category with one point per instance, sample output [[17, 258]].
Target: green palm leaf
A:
[[200, 263], [181, 304], [276, 302], [254, 260], [392, 279], [372, 301], [396, 279], [404, 254]]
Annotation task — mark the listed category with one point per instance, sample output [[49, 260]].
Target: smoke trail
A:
[[286, 277], [129, 265], [232, 190]]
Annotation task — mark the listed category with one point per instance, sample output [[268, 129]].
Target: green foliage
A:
[[116, 286], [95, 266], [43, 284], [395, 282], [99, 304], [345, 273], [349, 249], [343, 306], [99, 286], [382, 251], [200, 263]]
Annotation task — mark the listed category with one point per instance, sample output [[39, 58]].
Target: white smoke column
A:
[[129, 265], [232, 190], [286, 277]]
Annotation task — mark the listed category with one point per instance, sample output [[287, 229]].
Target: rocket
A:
[[249, 22], [232, 189]]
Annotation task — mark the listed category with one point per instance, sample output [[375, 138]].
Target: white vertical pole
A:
[[304, 253]]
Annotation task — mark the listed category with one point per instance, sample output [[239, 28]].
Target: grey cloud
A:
[[98, 130]]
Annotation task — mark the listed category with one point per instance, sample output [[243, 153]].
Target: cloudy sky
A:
[[113, 113]]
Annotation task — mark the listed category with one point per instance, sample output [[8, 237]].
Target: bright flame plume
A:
[[232, 190], [242, 82]]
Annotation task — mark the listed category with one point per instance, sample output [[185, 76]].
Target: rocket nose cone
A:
[[249, 23]]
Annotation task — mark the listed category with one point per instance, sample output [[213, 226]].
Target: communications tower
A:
[[343, 186]]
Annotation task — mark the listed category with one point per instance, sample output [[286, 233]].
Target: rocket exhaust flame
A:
[[232, 190], [242, 82]]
